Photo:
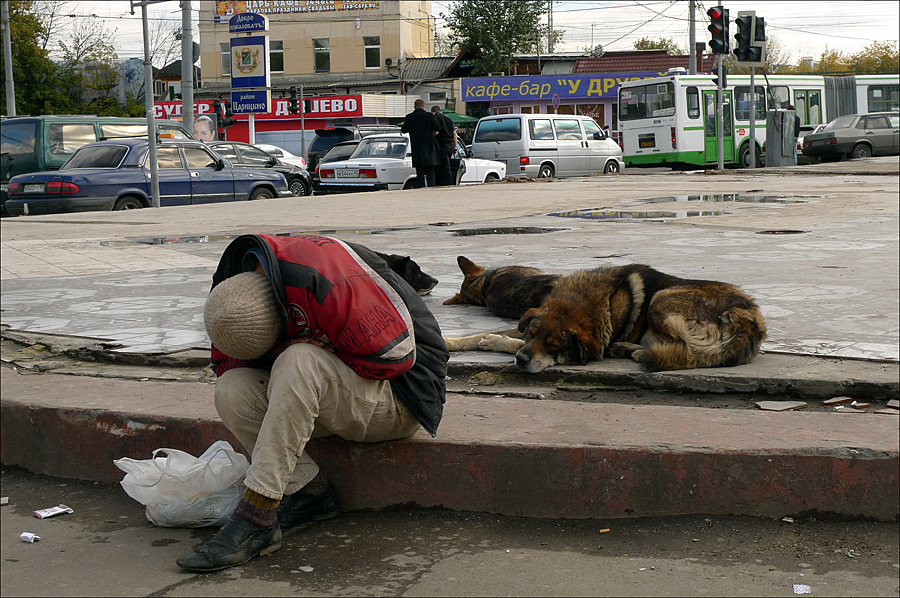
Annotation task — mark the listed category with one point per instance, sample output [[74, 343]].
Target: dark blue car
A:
[[115, 175]]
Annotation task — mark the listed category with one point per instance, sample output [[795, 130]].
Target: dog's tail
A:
[[733, 340]]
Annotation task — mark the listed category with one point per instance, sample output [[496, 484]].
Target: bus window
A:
[[883, 98], [693, 102], [647, 101], [743, 100], [779, 97]]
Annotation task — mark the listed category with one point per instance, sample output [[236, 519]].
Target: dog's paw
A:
[[624, 350], [498, 342]]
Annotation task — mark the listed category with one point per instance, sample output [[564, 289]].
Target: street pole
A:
[[187, 67], [148, 103], [720, 121], [692, 48], [752, 118], [7, 61], [302, 124]]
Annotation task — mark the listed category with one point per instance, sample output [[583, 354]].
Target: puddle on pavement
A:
[[611, 214], [508, 230], [780, 232], [733, 198], [214, 238]]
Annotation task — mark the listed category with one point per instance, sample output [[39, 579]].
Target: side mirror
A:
[[598, 135], [220, 164]]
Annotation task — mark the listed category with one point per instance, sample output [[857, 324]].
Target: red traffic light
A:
[[715, 13]]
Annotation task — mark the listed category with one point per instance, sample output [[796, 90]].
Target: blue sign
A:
[[248, 22], [251, 101], [250, 61], [546, 87]]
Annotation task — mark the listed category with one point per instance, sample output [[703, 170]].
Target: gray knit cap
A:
[[241, 316]]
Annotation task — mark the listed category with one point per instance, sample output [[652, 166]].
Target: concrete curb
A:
[[508, 456]]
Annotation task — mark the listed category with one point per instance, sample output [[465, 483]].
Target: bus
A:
[[671, 120]]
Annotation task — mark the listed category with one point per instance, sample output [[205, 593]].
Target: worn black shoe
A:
[[299, 508], [237, 542]]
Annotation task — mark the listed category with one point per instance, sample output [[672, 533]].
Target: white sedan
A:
[[282, 154], [385, 162]]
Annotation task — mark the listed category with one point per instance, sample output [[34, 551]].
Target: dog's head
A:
[[556, 333], [410, 271], [470, 291]]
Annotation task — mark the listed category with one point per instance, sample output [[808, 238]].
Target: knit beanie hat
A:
[[241, 316]]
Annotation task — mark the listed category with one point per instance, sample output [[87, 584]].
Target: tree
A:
[[90, 54], [41, 88], [663, 43], [777, 59], [495, 28], [50, 13], [879, 57]]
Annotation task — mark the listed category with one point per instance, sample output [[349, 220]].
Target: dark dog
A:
[[660, 321], [507, 292], [410, 271]]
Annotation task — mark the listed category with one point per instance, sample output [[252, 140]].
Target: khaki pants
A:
[[309, 393]]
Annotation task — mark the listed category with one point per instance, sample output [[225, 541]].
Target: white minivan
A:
[[547, 145]]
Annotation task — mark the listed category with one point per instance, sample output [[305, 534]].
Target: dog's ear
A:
[[468, 267], [456, 299], [403, 261], [526, 318]]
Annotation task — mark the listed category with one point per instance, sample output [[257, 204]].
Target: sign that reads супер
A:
[[251, 101]]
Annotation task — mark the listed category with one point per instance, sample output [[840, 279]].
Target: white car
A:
[[385, 162], [282, 154]]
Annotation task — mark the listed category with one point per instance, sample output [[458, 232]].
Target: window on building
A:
[[276, 56], [883, 98], [437, 96], [372, 48], [321, 55], [225, 51]]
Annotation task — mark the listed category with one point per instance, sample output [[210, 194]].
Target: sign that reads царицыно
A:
[[250, 61], [248, 22], [251, 101]]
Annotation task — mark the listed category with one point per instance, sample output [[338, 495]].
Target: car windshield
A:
[[109, 156], [841, 122], [380, 148]]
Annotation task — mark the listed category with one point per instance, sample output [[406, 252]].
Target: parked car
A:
[[37, 143], [341, 151], [547, 145], [115, 175], [283, 155], [245, 155], [855, 136], [326, 139], [385, 162], [804, 131]]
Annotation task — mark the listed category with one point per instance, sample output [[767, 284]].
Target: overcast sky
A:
[[804, 28]]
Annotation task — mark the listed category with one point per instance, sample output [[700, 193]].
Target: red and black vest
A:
[[345, 296]]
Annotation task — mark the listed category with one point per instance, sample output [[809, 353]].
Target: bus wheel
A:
[[744, 159]]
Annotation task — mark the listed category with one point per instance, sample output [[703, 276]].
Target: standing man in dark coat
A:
[[422, 128], [446, 139]]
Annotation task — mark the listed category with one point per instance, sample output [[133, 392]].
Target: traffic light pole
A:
[[720, 121], [752, 118], [302, 124]]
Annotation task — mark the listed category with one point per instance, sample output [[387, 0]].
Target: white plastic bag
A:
[[180, 490]]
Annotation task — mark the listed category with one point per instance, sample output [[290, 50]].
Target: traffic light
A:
[[217, 109], [718, 27], [229, 115], [749, 51], [295, 107], [307, 106]]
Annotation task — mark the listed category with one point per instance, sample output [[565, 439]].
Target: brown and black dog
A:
[[508, 291], [661, 321]]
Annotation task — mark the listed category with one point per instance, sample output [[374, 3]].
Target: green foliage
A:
[[663, 43], [876, 58], [497, 29]]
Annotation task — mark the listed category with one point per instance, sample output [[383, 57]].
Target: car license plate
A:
[[34, 188], [347, 174], [647, 140]]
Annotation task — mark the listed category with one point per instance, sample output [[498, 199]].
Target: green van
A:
[[37, 143]]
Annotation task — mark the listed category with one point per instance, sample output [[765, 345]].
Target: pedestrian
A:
[[796, 131], [446, 139], [312, 336], [203, 128], [422, 129]]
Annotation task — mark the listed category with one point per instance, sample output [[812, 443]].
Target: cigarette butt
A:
[[605, 530]]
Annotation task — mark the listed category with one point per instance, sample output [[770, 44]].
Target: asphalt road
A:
[[107, 548]]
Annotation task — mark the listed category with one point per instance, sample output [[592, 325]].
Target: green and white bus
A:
[[671, 120]]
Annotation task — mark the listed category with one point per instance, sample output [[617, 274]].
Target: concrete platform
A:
[[509, 456]]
